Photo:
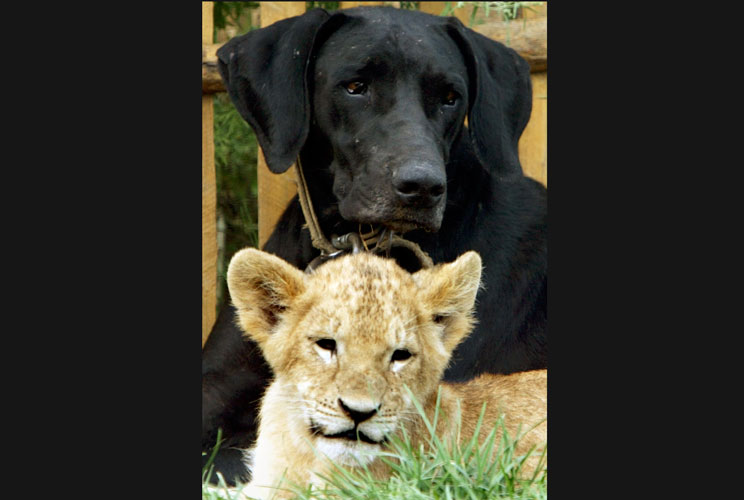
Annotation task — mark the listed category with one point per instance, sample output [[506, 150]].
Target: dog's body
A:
[[373, 101]]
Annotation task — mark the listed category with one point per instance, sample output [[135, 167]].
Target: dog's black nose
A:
[[420, 184], [358, 415]]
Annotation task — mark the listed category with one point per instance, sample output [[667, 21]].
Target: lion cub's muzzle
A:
[[361, 414], [353, 434]]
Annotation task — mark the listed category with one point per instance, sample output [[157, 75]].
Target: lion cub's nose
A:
[[358, 412]]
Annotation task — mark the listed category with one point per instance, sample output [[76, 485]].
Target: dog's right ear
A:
[[264, 73], [262, 287], [500, 96]]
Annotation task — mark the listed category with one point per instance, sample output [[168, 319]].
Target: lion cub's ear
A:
[[448, 291], [261, 287]]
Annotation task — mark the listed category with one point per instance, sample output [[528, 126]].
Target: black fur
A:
[[397, 154]]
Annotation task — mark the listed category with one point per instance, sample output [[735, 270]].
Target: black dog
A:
[[374, 100]]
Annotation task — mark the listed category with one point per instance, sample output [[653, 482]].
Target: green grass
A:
[[432, 471]]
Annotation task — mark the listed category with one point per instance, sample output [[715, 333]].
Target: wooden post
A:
[[274, 191], [209, 197], [533, 145]]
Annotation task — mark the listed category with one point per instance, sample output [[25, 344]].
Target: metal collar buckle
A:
[[345, 243]]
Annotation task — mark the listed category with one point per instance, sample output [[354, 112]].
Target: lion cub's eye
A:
[[401, 355], [327, 344]]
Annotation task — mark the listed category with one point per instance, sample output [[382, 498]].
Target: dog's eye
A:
[[450, 98], [327, 344], [401, 355], [356, 88]]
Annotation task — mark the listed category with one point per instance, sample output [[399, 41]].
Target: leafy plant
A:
[[322, 5], [230, 14], [507, 10]]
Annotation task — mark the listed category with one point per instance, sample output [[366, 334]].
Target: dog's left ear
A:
[[500, 98], [264, 73]]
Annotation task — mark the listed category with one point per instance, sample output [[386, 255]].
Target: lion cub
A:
[[342, 343]]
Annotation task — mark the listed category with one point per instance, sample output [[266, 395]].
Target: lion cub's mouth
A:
[[353, 434]]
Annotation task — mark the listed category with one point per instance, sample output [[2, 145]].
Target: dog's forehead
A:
[[397, 40]]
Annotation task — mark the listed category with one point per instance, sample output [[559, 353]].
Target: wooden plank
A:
[[211, 79], [533, 145], [351, 5], [209, 198], [274, 191], [529, 38], [436, 8], [209, 219], [535, 12]]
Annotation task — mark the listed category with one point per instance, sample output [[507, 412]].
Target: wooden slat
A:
[[535, 12], [436, 8], [274, 191], [529, 38], [533, 145], [351, 5], [211, 79], [209, 198]]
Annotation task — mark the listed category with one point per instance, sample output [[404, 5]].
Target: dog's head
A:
[[386, 91]]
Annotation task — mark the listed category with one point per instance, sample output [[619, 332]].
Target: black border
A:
[[129, 412]]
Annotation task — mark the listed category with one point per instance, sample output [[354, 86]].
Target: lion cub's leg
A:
[[520, 398]]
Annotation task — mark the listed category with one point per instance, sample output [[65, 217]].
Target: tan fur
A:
[[370, 307]]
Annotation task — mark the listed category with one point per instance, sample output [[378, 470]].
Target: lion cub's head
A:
[[344, 340]]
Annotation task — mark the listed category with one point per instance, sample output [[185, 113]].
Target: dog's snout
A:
[[420, 184]]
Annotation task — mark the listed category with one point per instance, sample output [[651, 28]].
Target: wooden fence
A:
[[527, 35]]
